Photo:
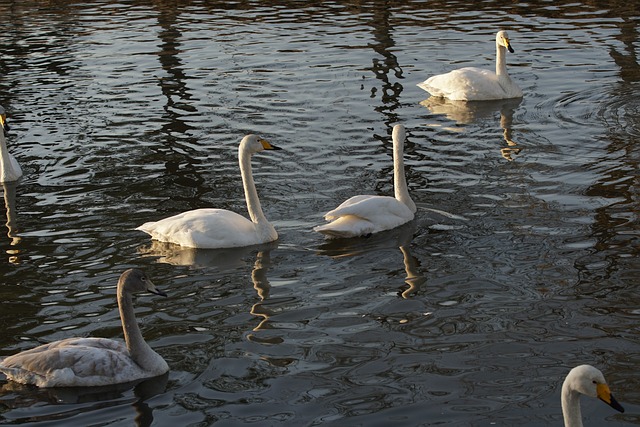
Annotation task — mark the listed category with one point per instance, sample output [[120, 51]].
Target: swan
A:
[[364, 215], [219, 228], [86, 362], [9, 167], [476, 84], [587, 380]]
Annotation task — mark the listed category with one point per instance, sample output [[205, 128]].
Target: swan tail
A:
[[22, 376], [424, 86]]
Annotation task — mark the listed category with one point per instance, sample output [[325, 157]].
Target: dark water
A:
[[521, 263]]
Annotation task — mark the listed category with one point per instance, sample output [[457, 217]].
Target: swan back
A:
[[587, 380]]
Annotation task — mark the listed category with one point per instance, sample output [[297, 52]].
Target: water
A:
[[521, 263]]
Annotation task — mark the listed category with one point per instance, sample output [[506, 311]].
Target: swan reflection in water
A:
[[467, 112], [227, 259], [400, 237], [15, 396], [12, 229], [263, 287]]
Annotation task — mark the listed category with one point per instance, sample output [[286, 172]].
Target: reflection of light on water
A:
[[12, 229], [464, 113]]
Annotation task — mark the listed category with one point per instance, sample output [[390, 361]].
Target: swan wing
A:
[[10, 171], [204, 228], [73, 362], [465, 84], [362, 215]]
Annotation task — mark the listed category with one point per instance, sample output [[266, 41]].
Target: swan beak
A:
[[605, 395], [507, 43], [152, 288], [268, 146]]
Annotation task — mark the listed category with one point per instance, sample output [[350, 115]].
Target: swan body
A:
[[363, 215], [9, 167], [587, 380], [87, 362], [476, 84], [219, 228]]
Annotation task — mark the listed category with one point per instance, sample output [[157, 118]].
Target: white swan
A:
[[219, 228], [364, 215], [476, 84], [587, 380], [9, 167], [84, 362]]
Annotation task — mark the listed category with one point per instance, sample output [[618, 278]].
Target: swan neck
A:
[[138, 348], [5, 160], [399, 180], [501, 60], [250, 193], [9, 168], [571, 407]]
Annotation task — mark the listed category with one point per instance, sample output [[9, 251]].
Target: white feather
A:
[[9, 167], [476, 84], [364, 214], [219, 228]]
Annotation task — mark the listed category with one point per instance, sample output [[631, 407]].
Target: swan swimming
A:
[[9, 167], [363, 215], [220, 228], [85, 362], [587, 380], [477, 84]]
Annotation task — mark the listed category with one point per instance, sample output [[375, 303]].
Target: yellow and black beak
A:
[[267, 145], [605, 395], [507, 43]]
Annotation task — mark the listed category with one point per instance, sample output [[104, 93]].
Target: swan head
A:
[[253, 144], [135, 281], [502, 39], [399, 134], [587, 380]]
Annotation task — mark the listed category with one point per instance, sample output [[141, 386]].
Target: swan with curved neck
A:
[[363, 215], [219, 228], [587, 380], [9, 167], [84, 362], [476, 84]]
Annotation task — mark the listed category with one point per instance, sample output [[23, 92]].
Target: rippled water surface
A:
[[521, 262]]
